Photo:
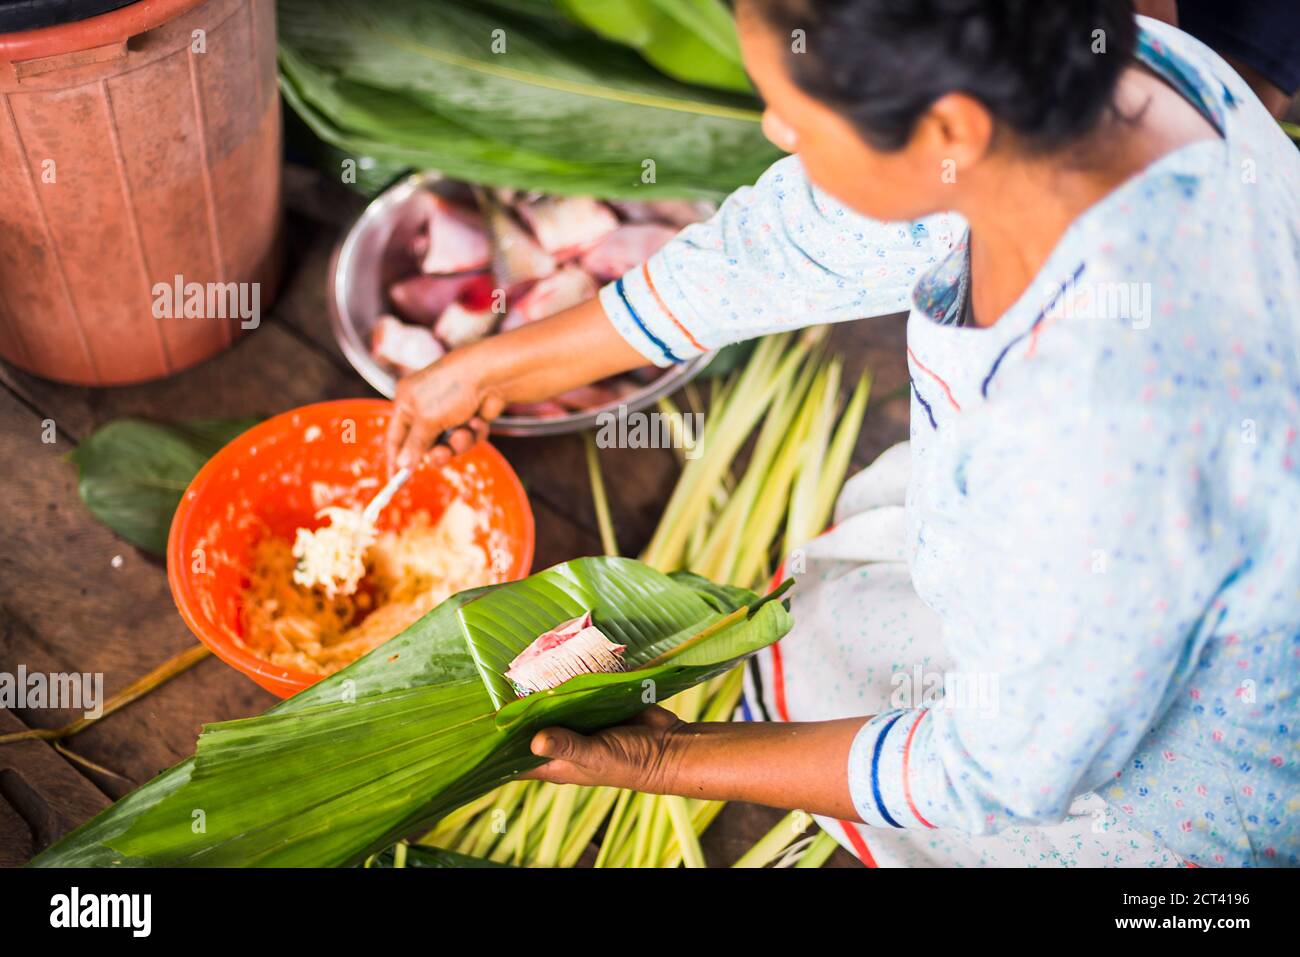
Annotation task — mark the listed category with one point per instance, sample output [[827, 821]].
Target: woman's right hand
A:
[[466, 389], [440, 411]]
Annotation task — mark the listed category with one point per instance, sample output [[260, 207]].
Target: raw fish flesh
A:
[[588, 397], [575, 647], [456, 238], [459, 326], [537, 410], [423, 298], [471, 317], [566, 226], [674, 212], [479, 293], [516, 257], [405, 347], [625, 248], [567, 288], [542, 255]]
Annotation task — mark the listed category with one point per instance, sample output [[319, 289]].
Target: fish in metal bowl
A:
[[434, 264]]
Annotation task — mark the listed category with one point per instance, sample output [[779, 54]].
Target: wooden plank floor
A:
[[74, 597]]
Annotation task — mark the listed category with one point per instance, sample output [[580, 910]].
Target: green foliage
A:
[[410, 732], [508, 98], [131, 473]]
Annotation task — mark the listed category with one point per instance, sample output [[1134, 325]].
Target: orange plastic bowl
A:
[[274, 478]]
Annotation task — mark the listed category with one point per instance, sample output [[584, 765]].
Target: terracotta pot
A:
[[136, 147]]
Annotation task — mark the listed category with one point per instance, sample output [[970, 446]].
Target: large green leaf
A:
[[434, 857], [386, 747], [558, 109], [389, 127], [131, 473], [429, 652], [691, 40]]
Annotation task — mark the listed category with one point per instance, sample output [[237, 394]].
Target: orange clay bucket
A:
[[138, 146], [275, 477]]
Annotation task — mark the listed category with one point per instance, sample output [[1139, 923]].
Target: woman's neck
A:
[[1023, 208]]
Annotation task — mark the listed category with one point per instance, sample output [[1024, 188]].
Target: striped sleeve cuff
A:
[[638, 311], [880, 777]]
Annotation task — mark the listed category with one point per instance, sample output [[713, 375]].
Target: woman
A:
[[1095, 224]]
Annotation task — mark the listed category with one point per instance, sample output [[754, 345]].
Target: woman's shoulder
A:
[[1200, 247], [1182, 297]]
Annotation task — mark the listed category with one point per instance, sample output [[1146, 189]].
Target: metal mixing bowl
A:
[[357, 300]]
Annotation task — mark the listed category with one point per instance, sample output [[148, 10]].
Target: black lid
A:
[[19, 15]]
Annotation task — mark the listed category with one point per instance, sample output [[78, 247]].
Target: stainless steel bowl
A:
[[357, 299]]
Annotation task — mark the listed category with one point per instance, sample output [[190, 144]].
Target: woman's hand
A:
[[466, 389], [643, 754], [787, 765], [447, 397]]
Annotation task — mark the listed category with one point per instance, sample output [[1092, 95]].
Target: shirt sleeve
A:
[[776, 256], [1089, 574]]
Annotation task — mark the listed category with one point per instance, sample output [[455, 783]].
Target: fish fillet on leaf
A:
[[423, 724], [572, 648]]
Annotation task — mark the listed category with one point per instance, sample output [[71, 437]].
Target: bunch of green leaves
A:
[[512, 95]]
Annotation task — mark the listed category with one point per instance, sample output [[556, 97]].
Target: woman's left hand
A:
[[783, 764], [644, 754]]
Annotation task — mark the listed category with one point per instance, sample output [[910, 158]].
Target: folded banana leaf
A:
[[556, 108], [421, 725]]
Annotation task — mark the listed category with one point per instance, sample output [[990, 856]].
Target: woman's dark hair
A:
[[1036, 65]]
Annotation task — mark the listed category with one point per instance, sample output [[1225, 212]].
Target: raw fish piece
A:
[[624, 386], [405, 347], [423, 298], [460, 324], [625, 248], [469, 317], [644, 375], [479, 293], [457, 239], [567, 288], [567, 225], [537, 410], [575, 647], [674, 212], [516, 257], [409, 242], [513, 320], [508, 196], [588, 397]]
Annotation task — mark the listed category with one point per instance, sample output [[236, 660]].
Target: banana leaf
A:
[[132, 472], [364, 121], [435, 857], [559, 109], [389, 745], [691, 40]]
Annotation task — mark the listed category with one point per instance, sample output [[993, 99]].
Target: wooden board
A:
[[41, 796]]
